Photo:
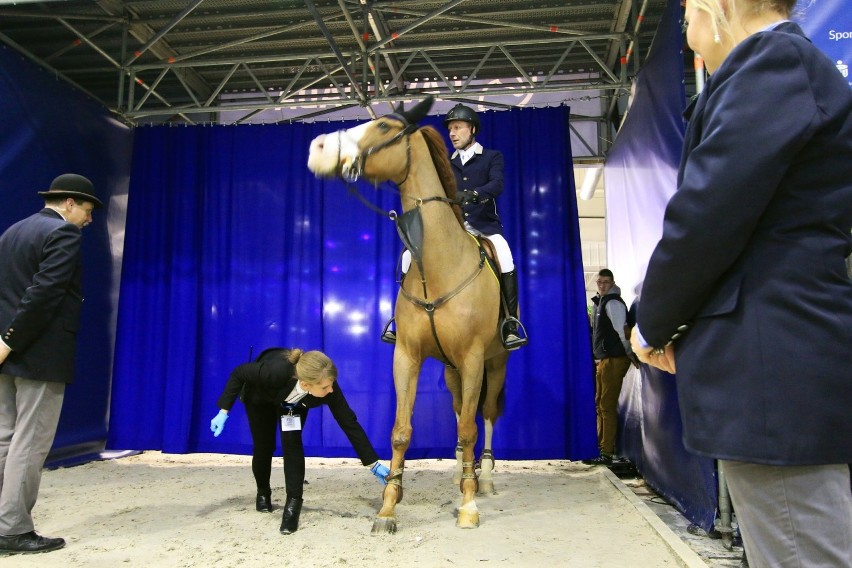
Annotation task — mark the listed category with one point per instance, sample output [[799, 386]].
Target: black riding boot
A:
[[264, 501], [290, 520], [511, 336]]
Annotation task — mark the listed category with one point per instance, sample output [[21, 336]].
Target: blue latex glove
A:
[[218, 423], [380, 472]]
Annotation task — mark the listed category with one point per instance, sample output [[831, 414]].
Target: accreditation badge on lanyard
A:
[[290, 422]]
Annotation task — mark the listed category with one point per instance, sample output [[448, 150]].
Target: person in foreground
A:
[[40, 301], [747, 290], [277, 390]]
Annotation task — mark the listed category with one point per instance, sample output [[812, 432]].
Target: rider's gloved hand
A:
[[380, 472], [469, 196], [218, 423]]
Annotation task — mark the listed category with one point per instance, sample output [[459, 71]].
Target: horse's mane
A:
[[438, 151]]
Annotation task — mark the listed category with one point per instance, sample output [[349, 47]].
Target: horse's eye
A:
[[383, 126]]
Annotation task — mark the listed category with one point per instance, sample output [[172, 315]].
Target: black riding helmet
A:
[[465, 113]]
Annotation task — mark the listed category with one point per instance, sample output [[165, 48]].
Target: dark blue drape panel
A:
[[49, 129], [640, 176], [233, 244], [823, 22]]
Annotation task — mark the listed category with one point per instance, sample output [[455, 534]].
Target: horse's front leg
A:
[[467, 432], [405, 373]]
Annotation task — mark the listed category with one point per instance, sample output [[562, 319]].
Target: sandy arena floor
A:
[[197, 510]]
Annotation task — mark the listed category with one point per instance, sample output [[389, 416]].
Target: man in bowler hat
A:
[[40, 301]]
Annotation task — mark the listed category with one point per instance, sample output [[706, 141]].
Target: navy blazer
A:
[[40, 297], [752, 259], [271, 378], [483, 173]]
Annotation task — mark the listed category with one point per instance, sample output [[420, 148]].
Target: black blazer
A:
[[271, 378], [752, 259], [40, 297]]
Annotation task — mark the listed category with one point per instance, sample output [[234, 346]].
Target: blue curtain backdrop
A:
[[50, 128], [641, 174], [827, 24], [233, 246]]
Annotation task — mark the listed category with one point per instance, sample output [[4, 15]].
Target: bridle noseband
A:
[[357, 170]]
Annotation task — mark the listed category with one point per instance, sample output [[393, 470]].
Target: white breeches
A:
[[501, 247]]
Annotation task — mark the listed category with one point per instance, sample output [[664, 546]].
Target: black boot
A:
[[510, 334], [264, 501], [290, 520]]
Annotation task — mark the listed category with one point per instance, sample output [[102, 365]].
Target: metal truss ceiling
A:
[[158, 61]]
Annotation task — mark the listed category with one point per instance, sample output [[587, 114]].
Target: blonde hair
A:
[[312, 366], [722, 23]]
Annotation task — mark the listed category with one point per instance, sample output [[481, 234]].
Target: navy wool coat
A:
[[752, 259], [40, 297]]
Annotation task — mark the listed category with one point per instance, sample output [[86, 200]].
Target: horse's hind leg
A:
[[492, 408], [486, 461], [405, 374]]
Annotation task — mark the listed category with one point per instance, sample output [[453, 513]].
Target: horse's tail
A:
[[497, 411]]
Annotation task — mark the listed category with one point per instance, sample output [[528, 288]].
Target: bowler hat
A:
[[72, 185]]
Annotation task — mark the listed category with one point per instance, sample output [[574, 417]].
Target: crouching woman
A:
[[277, 390]]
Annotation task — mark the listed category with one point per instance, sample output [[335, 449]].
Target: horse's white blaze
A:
[[338, 149]]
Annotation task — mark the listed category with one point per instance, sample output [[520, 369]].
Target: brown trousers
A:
[[609, 376]]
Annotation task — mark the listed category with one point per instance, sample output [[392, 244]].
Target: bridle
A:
[[361, 159]]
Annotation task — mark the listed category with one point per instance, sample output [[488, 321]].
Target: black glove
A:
[[469, 196]]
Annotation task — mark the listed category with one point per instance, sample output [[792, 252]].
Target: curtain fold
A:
[[233, 246]]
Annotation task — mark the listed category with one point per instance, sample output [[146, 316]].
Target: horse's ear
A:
[[419, 110]]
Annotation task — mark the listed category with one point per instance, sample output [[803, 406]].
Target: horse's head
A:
[[377, 150]]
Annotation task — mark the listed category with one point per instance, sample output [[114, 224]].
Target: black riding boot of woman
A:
[[290, 520], [263, 504]]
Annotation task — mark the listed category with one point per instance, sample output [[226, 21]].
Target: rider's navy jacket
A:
[[483, 173]]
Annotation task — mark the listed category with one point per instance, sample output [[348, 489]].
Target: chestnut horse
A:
[[448, 305]]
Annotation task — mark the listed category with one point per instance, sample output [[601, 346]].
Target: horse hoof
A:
[[384, 525], [486, 486], [468, 519]]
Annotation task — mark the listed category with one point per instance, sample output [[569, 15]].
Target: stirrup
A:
[[512, 341], [389, 335]]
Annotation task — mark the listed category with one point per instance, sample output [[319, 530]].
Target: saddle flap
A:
[[409, 225]]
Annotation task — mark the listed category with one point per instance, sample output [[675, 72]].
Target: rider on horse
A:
[[479, 179]]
